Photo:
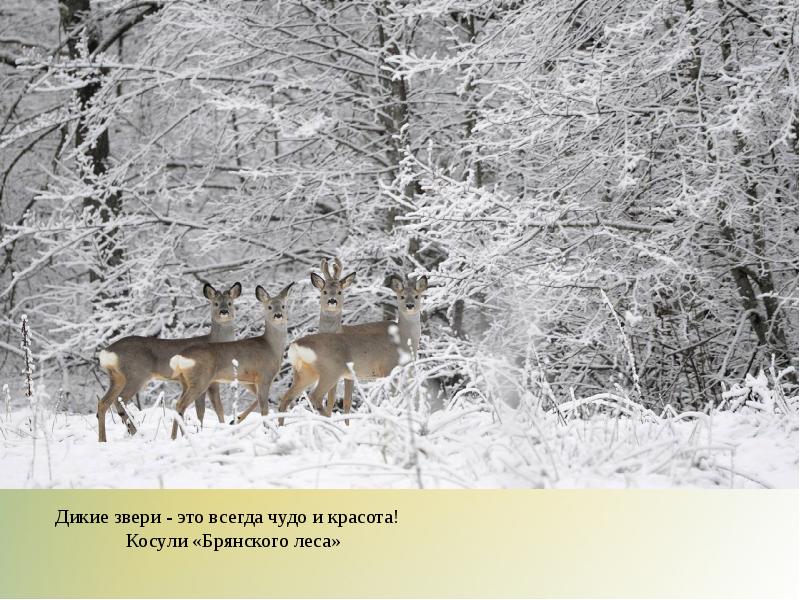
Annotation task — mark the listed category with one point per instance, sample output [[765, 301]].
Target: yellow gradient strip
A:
[[553, 544]]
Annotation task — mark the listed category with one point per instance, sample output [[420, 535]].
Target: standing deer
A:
[[253, 361], [331, 299], [370, 351], [133, 361], [331, 303]]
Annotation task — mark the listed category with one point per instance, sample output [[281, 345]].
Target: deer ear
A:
[[209, 291], [262, 295], [235, 291], [285, 291], [317, 281], [422, 284], [348, 280], [395, 283]]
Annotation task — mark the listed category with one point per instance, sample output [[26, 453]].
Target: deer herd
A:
[[200, 364]]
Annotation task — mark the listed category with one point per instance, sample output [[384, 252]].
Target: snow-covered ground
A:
[[599, 442]]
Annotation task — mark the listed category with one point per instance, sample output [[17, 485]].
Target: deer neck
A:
[[275, 335], [329, 323], [410, 330], [221, 332]]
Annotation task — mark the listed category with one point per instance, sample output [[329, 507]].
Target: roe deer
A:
[[370, 350], [331, 303], [253, 361], [133, 361]]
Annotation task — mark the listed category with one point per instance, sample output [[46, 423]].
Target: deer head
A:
[[331, 287], [274, 306], [222, 308], [409, 293]]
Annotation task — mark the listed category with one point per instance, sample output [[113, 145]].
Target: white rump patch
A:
[[301, 354], [108, 359], [180, 363]]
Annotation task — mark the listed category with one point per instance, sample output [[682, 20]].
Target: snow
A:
[[471, 444]]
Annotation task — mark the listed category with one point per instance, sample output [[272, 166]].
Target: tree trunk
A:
[[394, 114], [769, 331], [77, 23]]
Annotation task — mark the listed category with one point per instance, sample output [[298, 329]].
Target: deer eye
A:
[[269, 307], [325, 292], [339, 293], [416, 296]]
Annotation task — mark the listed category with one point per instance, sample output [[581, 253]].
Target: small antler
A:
[[324, 267], [337, 268]]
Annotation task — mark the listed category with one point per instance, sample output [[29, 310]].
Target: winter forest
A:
[[602, 194]]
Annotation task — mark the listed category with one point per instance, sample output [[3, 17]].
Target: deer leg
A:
[[116, 384], [331, 401], [123, 415], [263, 397], [348, 398], [325, 384], [254, 390], [191, 391], [200, 407], [247, 411], [301, 380], [216, 401], [133, 383]]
